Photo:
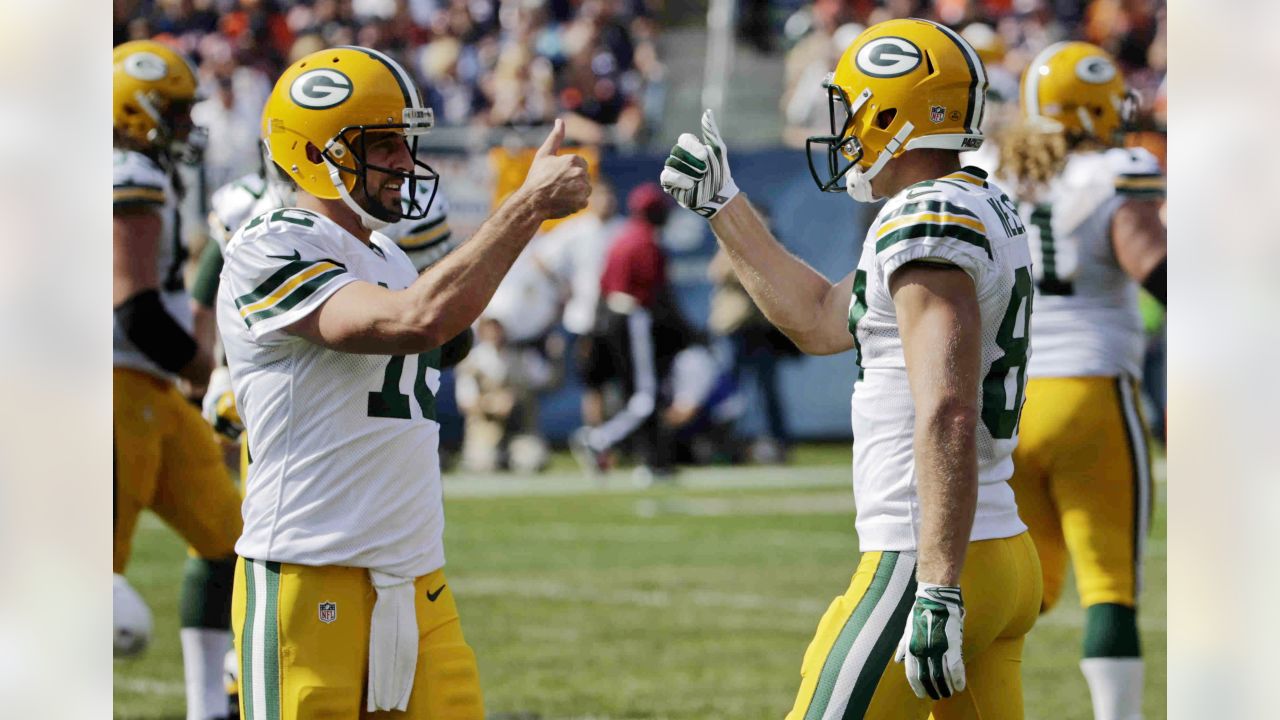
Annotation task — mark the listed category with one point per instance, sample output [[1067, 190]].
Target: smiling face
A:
[[385, 151]]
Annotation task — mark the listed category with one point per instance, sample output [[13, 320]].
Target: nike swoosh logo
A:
[[433, 595], [296, 256], [912, 195]]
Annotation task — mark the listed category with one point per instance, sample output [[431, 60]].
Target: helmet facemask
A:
[[844, 143], [346, 154], [841, 144]]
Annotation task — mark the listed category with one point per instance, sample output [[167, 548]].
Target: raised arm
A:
[[937, 310], [365, 318], [793, 296], [797, 299], [1140, 240]]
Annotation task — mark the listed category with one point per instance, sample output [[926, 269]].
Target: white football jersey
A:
[[1087, 320], [240, 200], [344, 463], [427, 240], [961, 220], [139, 181]]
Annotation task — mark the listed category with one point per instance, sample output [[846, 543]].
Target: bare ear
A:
[[313, 154]]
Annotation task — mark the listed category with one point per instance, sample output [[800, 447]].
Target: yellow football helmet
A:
[[1078, 86], [902, 85], [316, 120], [153, 89]]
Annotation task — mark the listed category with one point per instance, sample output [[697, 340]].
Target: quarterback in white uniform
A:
[[1082, 477], [938, 311], [333, 340]]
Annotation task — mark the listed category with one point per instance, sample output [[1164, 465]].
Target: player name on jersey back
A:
[[344, 466], [964, 221]]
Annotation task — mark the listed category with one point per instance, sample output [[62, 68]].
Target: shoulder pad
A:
[[233, 203], [1137, 172], [137, 180]]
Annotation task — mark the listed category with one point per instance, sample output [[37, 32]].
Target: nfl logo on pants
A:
[[936, 112], [328, 612]]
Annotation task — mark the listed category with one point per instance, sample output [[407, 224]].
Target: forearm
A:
[[946, 465], [450, 295], [791, 294], [205, 332]]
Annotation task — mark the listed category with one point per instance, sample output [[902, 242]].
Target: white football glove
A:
[[697, 171], [219, 406], [931, 642]]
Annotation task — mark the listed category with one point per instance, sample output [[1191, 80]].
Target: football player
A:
[[333, 341], [166, 457], [253, 194], [1083, 478], [937, 312]]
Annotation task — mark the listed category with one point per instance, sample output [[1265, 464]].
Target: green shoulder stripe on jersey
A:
[[425, 226], [423, 240], [1150, 185], [136, 186], [137, 194], [276, 279], [930, 206], [935, 230], [256, 194], [300, 293]]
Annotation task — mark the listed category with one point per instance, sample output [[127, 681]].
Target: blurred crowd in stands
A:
[[480, 62]]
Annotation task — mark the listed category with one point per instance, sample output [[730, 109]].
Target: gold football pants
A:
[[848, 670], [1083, 484], [167, 459], [302, 636]]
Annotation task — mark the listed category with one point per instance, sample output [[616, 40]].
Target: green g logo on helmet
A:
[[888, 57], [1096, 70], [320, 89]]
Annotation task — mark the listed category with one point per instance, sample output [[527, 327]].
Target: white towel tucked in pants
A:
[[393, 642]]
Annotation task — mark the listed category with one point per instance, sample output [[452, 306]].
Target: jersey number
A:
[[1005, 384], [857, 309], [391, 403], [1049, 283]]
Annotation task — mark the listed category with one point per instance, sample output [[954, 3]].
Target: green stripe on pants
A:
[[271, 642], [246, 642], [844, 641], [878, 659]]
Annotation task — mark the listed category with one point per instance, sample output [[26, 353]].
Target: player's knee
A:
[[453, 681]]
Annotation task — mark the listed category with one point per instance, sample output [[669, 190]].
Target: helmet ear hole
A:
[[313, 154], [885, 118]]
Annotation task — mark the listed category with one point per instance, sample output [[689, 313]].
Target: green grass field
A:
[[694, 600]]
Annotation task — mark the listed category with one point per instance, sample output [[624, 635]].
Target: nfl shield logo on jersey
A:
[[328, 612], [936, 113]]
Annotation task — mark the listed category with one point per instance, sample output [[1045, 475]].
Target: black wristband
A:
[[1156, 282], [154, 331], [453, 351]]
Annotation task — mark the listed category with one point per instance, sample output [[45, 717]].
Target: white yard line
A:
[[149, 686], [466, 485]]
